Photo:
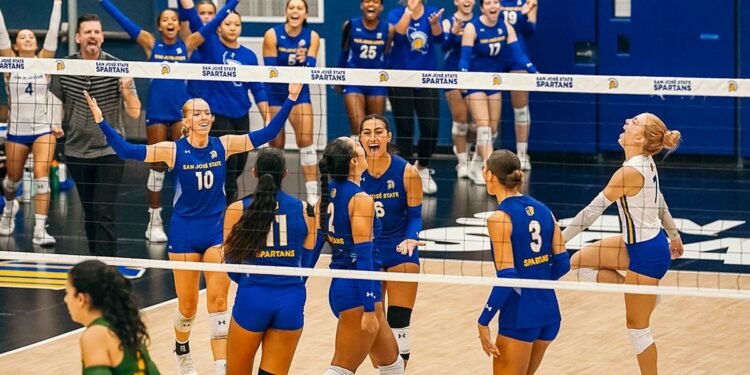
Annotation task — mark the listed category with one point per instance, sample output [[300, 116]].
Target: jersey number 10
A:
[[205, 179]]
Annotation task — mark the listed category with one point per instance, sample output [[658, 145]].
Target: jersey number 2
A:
[[205, 179], [281, 221], [535, 229]]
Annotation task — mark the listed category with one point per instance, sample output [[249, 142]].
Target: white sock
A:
[[336, 370], [220, 367], [395, 368], [311, 187], [40, 221], [463, 157], [154, 215], [522, 147]]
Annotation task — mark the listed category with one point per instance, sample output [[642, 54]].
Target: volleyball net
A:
[[455, 223]]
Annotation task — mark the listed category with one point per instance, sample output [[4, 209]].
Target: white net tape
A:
[[390, 276], [395, 78]]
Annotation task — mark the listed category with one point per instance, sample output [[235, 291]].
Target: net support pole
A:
[[73, 26]]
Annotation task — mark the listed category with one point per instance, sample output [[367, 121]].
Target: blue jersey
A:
[[366, 47], [416, 49], [389, 194], [520, 22], [200, 178], [453, 50], [533, 229], [286, 55], [490, 41], [284, 246], [228, 99], [340, 226], [197, 88], [167, 96]]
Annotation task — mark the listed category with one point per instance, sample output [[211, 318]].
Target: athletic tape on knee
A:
[[181, 323], [41, 185], [155, 181], [460, 128], [336, 370], [219, 324], [640, 338], [308, 155], [484, 136], [589, 274], [395, 368], [522, 116], [10, 186]]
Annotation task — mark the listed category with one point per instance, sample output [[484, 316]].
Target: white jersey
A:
[[32, 107], [639, 214]]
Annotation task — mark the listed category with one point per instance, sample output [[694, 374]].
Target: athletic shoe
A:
[[525, 162], [185, 365], [475, 171], [155, 228], [42, 238], [8, 221], [429, 186]]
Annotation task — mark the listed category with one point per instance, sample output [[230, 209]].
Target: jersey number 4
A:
[[282, 240], [29, 89], [205, 179]]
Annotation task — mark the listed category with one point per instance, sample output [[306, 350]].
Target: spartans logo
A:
[[496, 80], [59, 65], [273, 73], [530, 210], [732, 86], [333, 193], [213, 154], [165, 69], [382, 76], [613, 83], [390, 184]]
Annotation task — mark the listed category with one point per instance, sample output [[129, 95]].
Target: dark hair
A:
[[249, 234], [307, 10], [88, 17], [112, 294], [389, 147], [202, 2], [335, 165], [161, 14], [506, 167]]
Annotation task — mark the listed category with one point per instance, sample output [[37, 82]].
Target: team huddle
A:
[[362, 199]]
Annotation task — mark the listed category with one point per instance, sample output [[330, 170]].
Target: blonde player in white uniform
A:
[[642, 249], [35, 121]]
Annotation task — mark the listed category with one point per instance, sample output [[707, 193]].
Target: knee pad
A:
[[181, 323], [640, 338], [41, 185], [264, 372], [460, 128], [484, 136], [589, 274], [308, 156], [155, 181], [336, 370], [219, 325], [395, 368], [10, 186], [522, 115]]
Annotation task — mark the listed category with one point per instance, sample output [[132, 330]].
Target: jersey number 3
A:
[[535, 229]]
